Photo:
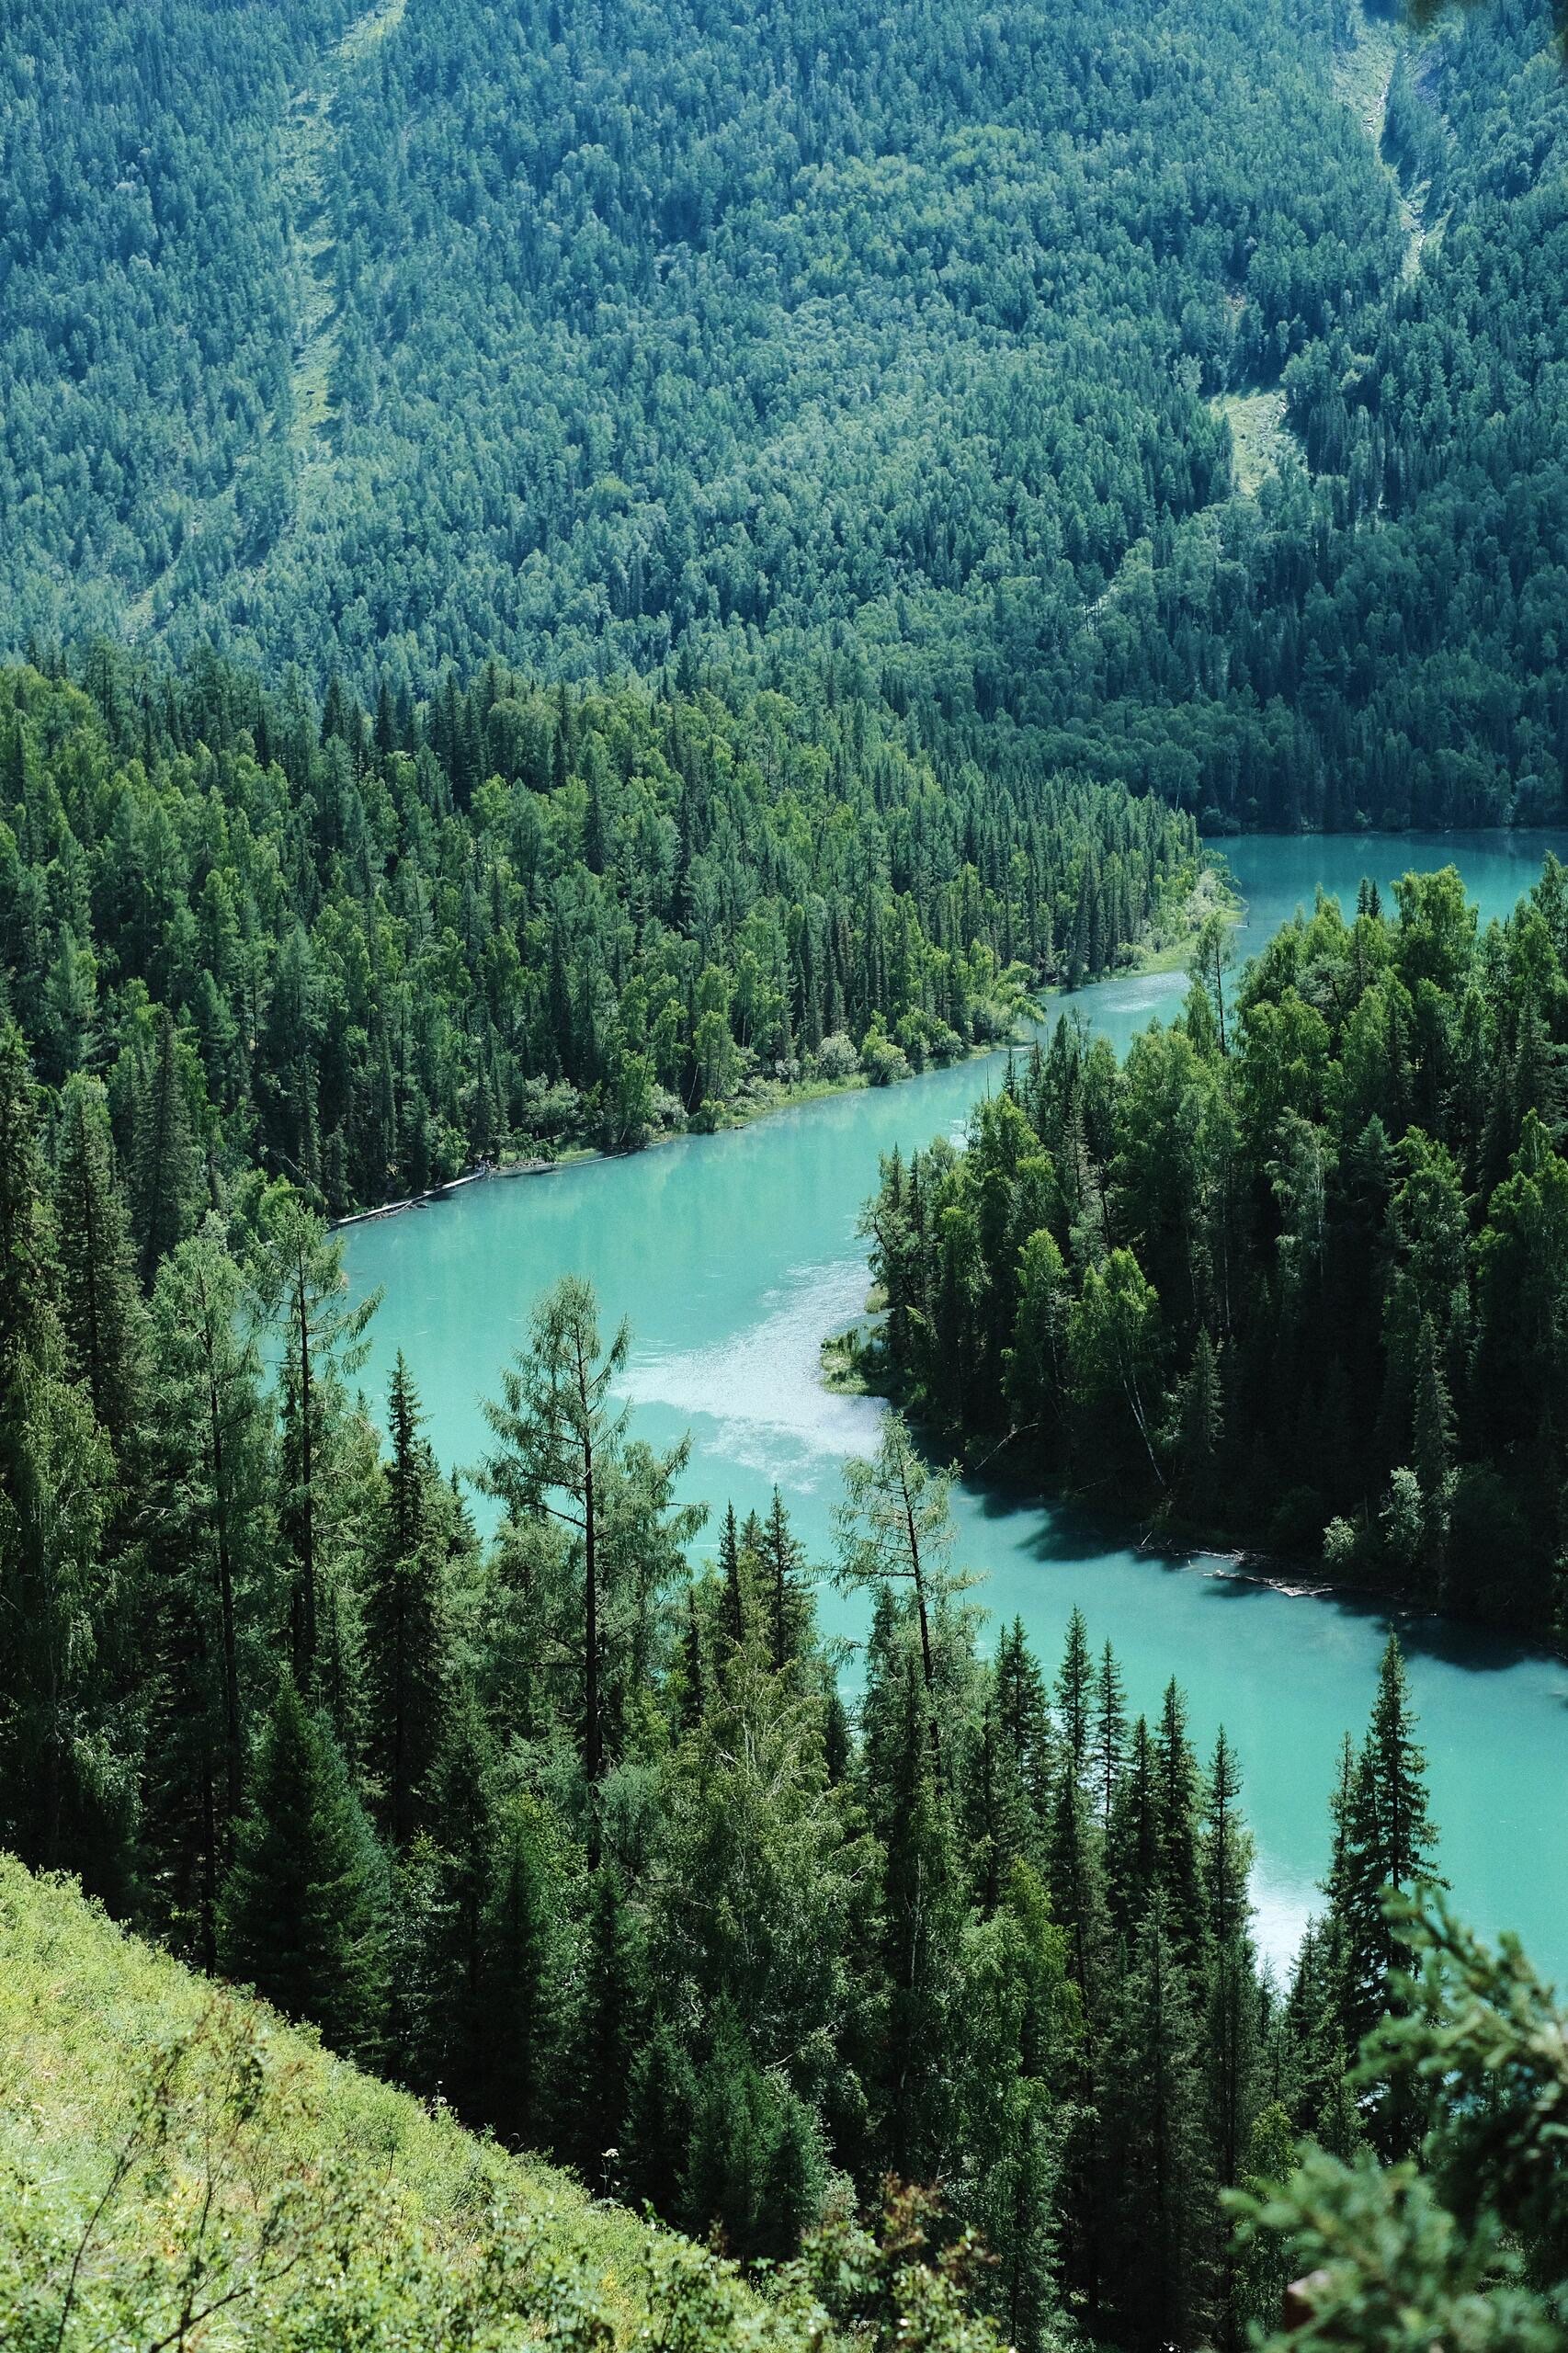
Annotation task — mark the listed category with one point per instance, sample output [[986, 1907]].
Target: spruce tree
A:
[[523, 1971], [303, 1911], [206, 1575], [167, 1169], [609, 2030], [782, 1564], [1023, 1715], [1181, 1878], [100, 1311], [1157, 2183], [1389, 1847], [302, 1288], [404, 1631], [1135, 1845], [1108, 1737], [921, 1912], [1074, 1692], [463, 1833]]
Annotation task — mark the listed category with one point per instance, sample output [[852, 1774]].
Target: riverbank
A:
[[732, 1265], [1213, 893]]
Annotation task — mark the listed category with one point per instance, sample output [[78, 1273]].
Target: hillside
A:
[[175, 2160], [1136, 384]]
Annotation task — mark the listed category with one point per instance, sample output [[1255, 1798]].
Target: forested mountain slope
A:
[[560, 332]]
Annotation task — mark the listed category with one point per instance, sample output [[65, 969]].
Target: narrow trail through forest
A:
[[306, 140], [305, 417], [1364, 77]]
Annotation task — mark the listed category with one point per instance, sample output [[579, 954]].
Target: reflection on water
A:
[[735, 1256]]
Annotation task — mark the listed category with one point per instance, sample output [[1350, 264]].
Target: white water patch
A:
[[763, 1388], [1282, 1904]]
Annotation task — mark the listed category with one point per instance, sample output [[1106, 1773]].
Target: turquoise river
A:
[[734, 1256]]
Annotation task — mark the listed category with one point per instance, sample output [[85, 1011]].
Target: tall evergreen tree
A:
[[304, 1288], [101, 1314], [167, 1169], [1389, 1847], [303, 1911], [404, 1629], [1157, 2180], [205, 1569]]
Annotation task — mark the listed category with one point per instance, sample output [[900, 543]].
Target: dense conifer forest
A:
[[571, 569], [586, 1841], [1204, 423], [369, 952], [1296, 1271]]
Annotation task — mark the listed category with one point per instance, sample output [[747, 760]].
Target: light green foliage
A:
[[177, 2165]]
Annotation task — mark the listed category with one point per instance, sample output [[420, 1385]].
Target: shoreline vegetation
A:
[[1288, 1275], [1213, 895]]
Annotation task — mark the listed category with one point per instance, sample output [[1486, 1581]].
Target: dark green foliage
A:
[[623, 331], [101, 1312], [1474, 2250], [350, 963], [1353, 1216], [303, 1909], [207, 1578], [405, 1663]]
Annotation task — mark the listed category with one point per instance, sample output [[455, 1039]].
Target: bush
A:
[[836, 1058]]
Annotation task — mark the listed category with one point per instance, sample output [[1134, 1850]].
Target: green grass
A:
[[165, 2144], [1260, 438]]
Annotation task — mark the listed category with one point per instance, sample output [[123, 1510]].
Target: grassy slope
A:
[[391, 2214]]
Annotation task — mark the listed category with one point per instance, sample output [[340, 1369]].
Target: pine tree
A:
[[1388, 1846], [522, 1972], [1157, 2183], [1109, 1740], [28, 1269], [610, 2030], [997, 1817], [463, 1835], [403, 1634], [302, 1288], [734, 1614], [1075, 1877], [1074, 1692], [1135, 1843], [302, 1912], [755, 2169], [65, 1783], [781, 1559], [1023, 1716], [167, 1170], [100, 1311], [206, 1552], [1230, 2040], [920, 1917], [1181, 1878]]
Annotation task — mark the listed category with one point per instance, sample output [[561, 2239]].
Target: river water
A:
[[734, 1256]]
